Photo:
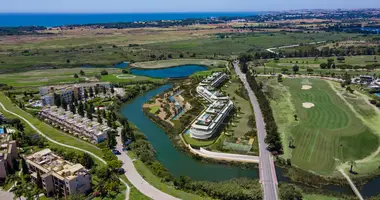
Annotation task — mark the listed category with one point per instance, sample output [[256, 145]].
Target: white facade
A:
[[75, 123], [209, 121]]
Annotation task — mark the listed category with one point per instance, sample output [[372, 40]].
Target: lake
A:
[[170, 72]]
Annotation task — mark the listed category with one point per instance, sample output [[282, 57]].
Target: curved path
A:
[[268, 176], [224, 156], [135, 178], [64, 145]]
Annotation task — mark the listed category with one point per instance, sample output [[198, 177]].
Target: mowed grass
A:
[[52, 76], [154, 109], [329, 133]]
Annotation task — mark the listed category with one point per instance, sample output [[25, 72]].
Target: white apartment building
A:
[[75, 123], [209, 121], [58, 175]]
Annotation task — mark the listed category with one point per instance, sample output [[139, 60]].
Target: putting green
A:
[[328, 133]]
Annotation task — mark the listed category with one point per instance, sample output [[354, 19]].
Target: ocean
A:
[[51, 20]]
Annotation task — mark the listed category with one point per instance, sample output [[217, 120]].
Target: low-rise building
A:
[[58, 176], [210, 120], [67, 92], [8, 154], [75, 123]]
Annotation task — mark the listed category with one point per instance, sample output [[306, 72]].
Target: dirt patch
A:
[[307, 105], [306, 87]]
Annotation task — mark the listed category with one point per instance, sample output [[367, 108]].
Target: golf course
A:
[[319, 129]]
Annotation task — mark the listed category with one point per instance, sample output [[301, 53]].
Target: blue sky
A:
[[127, 6]]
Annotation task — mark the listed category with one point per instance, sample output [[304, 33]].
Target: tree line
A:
[[273, 138]]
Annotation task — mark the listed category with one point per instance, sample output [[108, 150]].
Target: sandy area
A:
[[307, 105], [306, 87]]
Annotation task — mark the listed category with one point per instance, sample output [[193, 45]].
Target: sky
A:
[[136, 6]]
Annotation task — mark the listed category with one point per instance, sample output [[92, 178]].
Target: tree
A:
[[289, 192], [103, 73], [68, 61], [85, 94], [340, 59], [57, 100], [111, 139], [99, 118], [76, 76], [323, 65], [64, 104], [72, 108], [295, 117], [181, 55], [91, 92], [81, 73], [81, 109], [88, 162], [352, 165], [295, 69], [25, 169], [284, 70], [112, 89], [309, 70], [39, 180]]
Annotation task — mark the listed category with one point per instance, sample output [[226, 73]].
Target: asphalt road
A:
[[225, 156], [268, 176]]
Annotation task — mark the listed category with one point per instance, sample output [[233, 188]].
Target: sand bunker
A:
[[125, 76], [306, 87], [307, 105]]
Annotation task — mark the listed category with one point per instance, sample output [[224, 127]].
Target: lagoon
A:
[[170, 72]]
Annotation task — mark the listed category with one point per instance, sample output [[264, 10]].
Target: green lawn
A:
[[325, 135], [154, 109], [52, 76], [178, 62], [240, 125], [318, 197], [156, 182], [199, 143], [48, 130]]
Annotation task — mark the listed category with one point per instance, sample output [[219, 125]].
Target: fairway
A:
[[327, 133]]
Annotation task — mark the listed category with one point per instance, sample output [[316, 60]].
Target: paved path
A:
[[268, 176], [8, 195], [352, 185], [224, 156], [65, 145], [135, 178]]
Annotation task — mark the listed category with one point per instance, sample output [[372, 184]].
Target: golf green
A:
[[327, 133]]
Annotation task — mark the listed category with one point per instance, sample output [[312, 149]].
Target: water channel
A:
[[179, 163]]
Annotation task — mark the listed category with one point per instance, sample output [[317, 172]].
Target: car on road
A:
[[116, 152]]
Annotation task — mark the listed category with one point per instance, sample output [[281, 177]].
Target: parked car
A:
[[116, 152]]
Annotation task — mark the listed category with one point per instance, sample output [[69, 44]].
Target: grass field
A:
[[154, 109], [53, 76], [318, 197], [325, 135], [179, 62]]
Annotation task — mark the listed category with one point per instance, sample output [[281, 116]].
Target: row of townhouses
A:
[[75, 124], [209, 121]]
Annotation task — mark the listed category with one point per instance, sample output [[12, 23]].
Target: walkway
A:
[[268, 176], [135, 178], [352, 185], [224, 156], [64, 145], [8, 195]]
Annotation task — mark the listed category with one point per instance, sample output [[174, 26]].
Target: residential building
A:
[[209, 121], [8, 154], [75, 124], [59, 177], [67, 92]]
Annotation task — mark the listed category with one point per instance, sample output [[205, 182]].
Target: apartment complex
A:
[[75, 124], [59, 177], [209, 121], [67, 92], [8, 154]]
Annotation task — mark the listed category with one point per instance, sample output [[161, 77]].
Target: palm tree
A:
[[353, 164]]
